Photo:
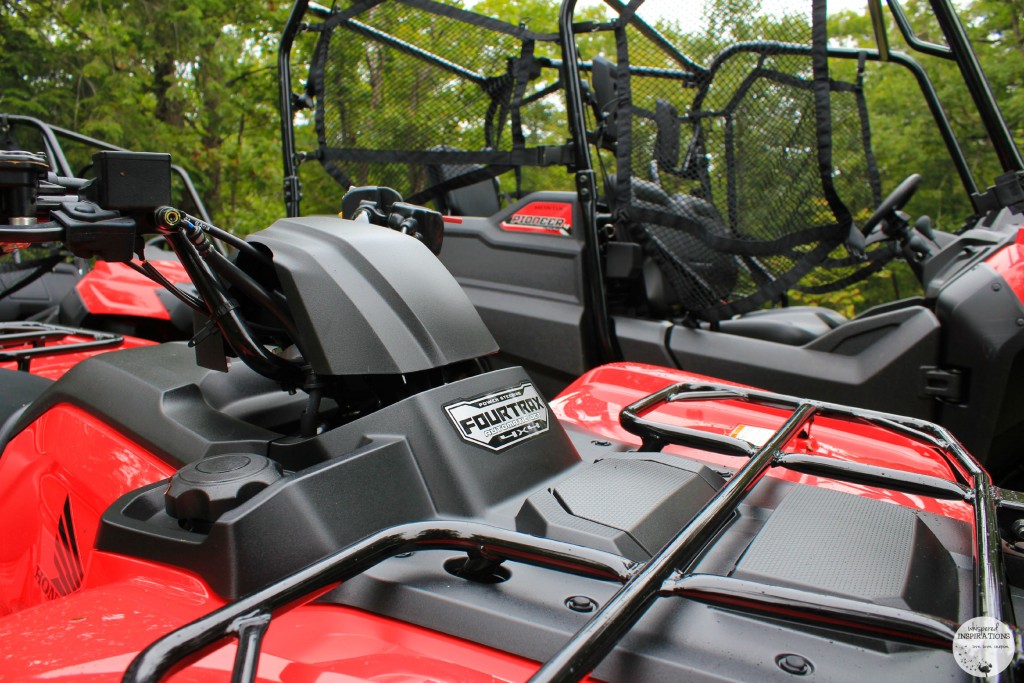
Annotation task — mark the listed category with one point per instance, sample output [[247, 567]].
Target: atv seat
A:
[[17, 389]]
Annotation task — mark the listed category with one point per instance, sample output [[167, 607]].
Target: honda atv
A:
[[44, 284], [329, 483], [734, 166]]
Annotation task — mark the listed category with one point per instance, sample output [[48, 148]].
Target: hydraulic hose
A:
[[238, 277], [190, 244]]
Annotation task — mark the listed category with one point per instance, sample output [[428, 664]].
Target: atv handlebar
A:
[[37, 233]]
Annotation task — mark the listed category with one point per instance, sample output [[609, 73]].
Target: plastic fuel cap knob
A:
[[206, 489]]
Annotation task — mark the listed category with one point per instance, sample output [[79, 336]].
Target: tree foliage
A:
[[907, 139], [196, 79]]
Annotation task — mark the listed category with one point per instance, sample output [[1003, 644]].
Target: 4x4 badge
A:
[[500, 419]]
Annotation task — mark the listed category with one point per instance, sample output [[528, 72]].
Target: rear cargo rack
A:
[[665, 573], [21, 342]]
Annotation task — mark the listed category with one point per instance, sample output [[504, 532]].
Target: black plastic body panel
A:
[[630, 505], [984, 324], [677, 640], [370, 301], [291, 523], [464, 479], [873, 361], [528, 288], [644, 341], [17, 389], [403, 463], [45, 292], [684, 640], [158, 397]]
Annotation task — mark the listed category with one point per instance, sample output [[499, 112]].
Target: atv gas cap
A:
[[202, 491], [794, 664]]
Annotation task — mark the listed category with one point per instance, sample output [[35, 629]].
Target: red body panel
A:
[[1009, 263], [56, 479], [94, 635], [116, 289], [594, 401], [107, 607], [544, 218]]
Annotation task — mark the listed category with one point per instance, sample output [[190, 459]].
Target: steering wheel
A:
[[896, 200]]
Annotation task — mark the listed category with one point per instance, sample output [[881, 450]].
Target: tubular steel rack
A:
[[663, 575], [23, 341]]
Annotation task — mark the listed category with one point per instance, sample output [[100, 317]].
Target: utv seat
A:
[[681, 273], [481, 198], [792, 325], [797, 325], [696, 274]]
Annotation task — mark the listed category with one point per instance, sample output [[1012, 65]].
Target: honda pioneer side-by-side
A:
[[724, 159]]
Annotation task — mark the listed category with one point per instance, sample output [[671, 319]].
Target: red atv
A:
[[44, 284], [329, 483]]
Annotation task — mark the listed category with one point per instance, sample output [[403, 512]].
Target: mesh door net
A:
[[730, 153], [428, 98]]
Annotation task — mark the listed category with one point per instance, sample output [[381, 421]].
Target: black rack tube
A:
[[599, 635], [178, 648]]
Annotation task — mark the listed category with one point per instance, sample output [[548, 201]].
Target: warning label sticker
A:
[[500, 419], [755, 436]]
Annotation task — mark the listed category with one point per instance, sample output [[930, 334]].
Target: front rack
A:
[[21, 342], [248, 618]]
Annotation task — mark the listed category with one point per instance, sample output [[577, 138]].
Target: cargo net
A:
[[729, 153], [434, 101]]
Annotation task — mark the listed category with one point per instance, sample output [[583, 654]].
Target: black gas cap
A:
[[202, 491]]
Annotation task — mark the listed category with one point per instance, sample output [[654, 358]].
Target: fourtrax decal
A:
[[500, 419], [66, 561]]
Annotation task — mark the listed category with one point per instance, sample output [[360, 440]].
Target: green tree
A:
[[906, 138], [196, 79]]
